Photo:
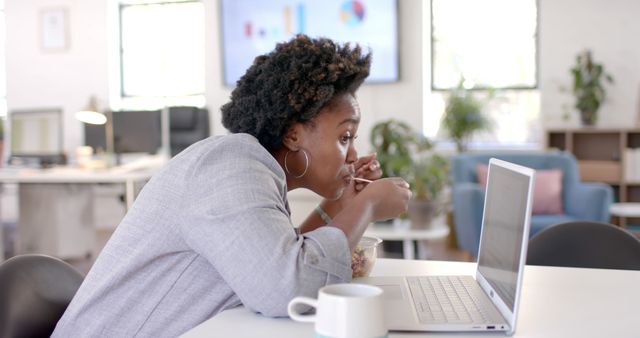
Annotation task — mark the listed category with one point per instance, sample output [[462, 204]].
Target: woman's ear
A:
[[291, 139]]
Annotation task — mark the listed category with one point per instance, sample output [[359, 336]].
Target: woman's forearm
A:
[[354, 219], [314, 220]]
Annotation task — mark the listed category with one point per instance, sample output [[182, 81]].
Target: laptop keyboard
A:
[[446, 299]]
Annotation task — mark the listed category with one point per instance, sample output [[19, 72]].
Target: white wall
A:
[[611, 29]]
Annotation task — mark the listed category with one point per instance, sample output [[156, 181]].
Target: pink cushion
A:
[[547, 189]]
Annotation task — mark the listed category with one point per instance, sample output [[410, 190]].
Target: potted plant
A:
[[588, 86], [403, 152], [463, 117], [428, 178], [395, 142]]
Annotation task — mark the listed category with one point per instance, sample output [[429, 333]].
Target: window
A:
[[488, 44], [162, 50]]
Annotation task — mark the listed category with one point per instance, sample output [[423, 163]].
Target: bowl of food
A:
[[364, 256]]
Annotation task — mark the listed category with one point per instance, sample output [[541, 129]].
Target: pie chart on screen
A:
[[352, 12]]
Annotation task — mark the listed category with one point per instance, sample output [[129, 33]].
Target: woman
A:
[[212, 230]]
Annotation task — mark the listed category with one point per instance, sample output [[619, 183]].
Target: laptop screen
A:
[[502, 230]]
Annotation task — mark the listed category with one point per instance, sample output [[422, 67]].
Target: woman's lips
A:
[[348, 174], [347, 179]]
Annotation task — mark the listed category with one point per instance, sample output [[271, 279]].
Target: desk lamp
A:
[[91, 115]]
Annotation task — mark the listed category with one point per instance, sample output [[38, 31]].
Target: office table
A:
[[69, 175], [401, 230], [556, 302], [56, 205]]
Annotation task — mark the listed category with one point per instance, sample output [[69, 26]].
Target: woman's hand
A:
[[367, 167], [389, 196], [381, 199]]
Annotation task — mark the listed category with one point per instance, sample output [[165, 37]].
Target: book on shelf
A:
[[632, 165]]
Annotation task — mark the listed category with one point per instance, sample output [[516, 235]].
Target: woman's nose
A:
[[352, 155]]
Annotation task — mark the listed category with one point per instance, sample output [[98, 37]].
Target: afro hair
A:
[[291, 84]]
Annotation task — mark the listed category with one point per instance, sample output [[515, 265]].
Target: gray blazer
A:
[[209, 232]]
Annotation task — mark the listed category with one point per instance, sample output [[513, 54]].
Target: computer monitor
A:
[[253, 27], [137, 131], [133, 132], [36, 137]]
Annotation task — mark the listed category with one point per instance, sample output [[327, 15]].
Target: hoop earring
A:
[[306, 163]]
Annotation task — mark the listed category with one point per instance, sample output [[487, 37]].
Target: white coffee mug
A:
[[344, 311]]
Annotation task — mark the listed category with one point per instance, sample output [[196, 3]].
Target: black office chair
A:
[[585, 244], [35, 290], [187, 125]]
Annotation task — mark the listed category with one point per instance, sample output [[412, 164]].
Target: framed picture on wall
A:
[[54, 29]]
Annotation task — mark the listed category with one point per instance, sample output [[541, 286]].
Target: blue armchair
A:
[[581, 201]]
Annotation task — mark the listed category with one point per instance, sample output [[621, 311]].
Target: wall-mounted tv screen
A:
[[253, 27]]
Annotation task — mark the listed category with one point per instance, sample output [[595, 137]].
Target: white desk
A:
[[68, 175], [56, 205], [556, 302], [401, 230]]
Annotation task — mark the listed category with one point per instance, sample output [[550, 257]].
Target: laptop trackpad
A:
[[392, 292]]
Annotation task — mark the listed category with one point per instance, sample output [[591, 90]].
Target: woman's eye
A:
[[347, 137]]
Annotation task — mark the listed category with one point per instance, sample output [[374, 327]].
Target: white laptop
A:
[[461, 303]]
